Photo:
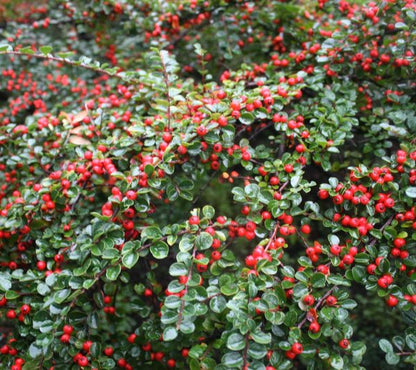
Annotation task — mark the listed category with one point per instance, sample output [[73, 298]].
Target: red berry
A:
[[335, 249], [131, 338], [87, 345], [297, 348], [306, 229], [344, 343], [25, 309], [392, 301], [314, 327], [331, 300], [171, 363], [309, 300], [323, 194], [108, 351], [82, 361], [68, 329], [193, 220], [65, 338]]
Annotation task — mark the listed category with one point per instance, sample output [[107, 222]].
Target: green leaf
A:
[[187, 327], [5, 47], [110, 253], [62, 295], [130, 259], [113, 272], [5, 283], [232, 360], [252, 190], [385, 345], [261, 338], [235, 342], [333, 239], [43, 289], [218, 304], [358, 273], [349, 304], [170, 333], [27, 50], [34, 350], [299, 290], [295, 180], [203, 241], [178, 269], [411, 341], [151, 232], [318, 280], [45, 49], [338, 280], [246, 118], [208, 211], [11, 294], [257, 351], [159, 250], [392, 358], [337, 362], [411, 192]]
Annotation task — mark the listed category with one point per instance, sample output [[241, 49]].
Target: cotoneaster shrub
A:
[[207, 184]]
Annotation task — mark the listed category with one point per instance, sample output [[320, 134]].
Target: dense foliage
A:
[[207, 184]]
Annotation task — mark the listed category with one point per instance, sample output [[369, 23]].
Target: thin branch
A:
[[302, 238], [245, 352], [273, 236], [71, 63], [189, 277], [318, 304], [166, 80], [387, 223]]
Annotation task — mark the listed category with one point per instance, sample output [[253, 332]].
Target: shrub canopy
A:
[[207, 184]]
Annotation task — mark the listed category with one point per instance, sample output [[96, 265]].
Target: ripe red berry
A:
[[290, 355], [87, 345], [309, 300], [171, 363], [131, 194], [41, 265], [131, 338], [193, 220], [159, 356], [323, 194], [68, 329], [25, 309], [215, 255], [108, 351], [314, 327], [335, 249], [297, 348], [392, 301], [65, 338], [331, 300], [344, 343], [288, 168], [306, 229], [399, 242], [82, 361]]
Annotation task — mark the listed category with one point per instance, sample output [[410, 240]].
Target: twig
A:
[[245, 352], [71, 63], [317, 305], [189, 277], [273, 236], [166, 80], [387, 223]]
